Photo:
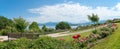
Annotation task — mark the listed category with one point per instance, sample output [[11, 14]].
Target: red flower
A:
[[76, 36]]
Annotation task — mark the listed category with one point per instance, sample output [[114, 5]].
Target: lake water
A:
[[81, 24], [54, 26]]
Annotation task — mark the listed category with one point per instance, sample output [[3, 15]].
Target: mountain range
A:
[[72, 24]]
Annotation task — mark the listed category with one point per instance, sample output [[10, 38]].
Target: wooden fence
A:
[[26, 35]]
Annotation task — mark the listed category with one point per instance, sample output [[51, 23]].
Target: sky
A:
[[73, 11]]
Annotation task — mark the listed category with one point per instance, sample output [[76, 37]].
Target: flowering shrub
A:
[[114, 26], [95, 35], [41, 43], [62, 39], [77, 36], [52, 43], [94, 31]]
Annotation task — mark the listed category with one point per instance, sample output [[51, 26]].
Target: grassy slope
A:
[[69, 38], [110, 42]]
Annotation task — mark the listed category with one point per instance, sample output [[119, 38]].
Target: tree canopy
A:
[[20, 24], [4, 22], [44, 28], [63, 26], [34, 27], [93, 18]]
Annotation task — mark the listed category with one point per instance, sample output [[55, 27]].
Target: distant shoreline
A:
[[52, 24]]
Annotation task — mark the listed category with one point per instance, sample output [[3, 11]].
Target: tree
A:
[[34, 27], [4, 22], [44, 28], [93, 18], [63, 26], [20, 24], [109, 21]]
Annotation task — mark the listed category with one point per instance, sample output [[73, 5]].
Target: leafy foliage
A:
[[111, 42], [4, 22], [93, 18], [62, 26], [41, 43], [52, 43], [44, 28], [20, 24], [34, 27], [94, 31], [109, 21]]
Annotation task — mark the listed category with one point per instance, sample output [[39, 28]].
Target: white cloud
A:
[[72, 12], [118, 6]]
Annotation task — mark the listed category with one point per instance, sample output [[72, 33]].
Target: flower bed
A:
[[94, 36], [52, 43]]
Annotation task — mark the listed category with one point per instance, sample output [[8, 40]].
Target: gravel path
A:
[[3, 38], [69, 33]]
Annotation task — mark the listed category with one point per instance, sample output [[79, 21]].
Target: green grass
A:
[[110, 42], [69, 37]]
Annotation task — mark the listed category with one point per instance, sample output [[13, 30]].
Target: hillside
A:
[[110, 42]]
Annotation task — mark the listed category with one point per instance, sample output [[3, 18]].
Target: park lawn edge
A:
[[110, 42]]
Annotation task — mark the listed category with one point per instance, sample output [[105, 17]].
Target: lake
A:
[[54, 26]]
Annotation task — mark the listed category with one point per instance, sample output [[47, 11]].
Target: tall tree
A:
[[109, 21], [44, 28], [34, 27], [4, 22], [63, 26], [20, 24], [94, 18]]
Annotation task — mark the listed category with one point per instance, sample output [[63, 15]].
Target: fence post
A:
[[8, 36]]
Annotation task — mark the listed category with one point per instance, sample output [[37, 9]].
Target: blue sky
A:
[[36, 10]]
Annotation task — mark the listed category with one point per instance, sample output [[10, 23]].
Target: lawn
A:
[[69, 38], [110, 42]]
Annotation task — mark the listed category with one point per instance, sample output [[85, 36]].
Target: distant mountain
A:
[[71, 24], [88, 23], [54, 23], [48, 24]]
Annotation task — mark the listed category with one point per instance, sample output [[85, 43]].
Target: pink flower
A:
[[114, 24], [62, 39], [76, 40], [83, 39]]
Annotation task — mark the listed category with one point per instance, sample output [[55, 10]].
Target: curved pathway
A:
[[69, 33]]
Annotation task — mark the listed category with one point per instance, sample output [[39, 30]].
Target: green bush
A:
[[41, 43], [63, 26], [53, 43], [18, 44], [95, 31], [4, 32], [34, 27], [104, 29]]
